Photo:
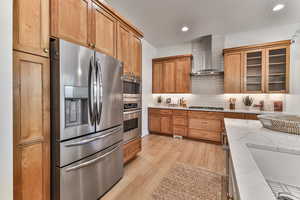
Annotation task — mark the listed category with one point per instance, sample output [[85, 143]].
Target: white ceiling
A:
[[162, 20]]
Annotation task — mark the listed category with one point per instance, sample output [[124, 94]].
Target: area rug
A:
[[184, 182]]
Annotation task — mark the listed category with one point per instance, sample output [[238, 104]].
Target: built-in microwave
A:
[[131, 86]]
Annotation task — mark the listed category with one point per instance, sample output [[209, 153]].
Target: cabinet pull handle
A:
[[46, 50]]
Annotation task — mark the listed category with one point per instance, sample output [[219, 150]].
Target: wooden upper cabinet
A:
[[254, 71], [31, 127], [172, 74], [277, 69], [157, 77], [182, 75], [123, 48], [103, 31], [264, 68], [169, 70], [233, 72], [136, 55], [31, 26], [71, 20]]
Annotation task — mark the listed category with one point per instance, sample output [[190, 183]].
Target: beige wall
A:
[[6, 153]]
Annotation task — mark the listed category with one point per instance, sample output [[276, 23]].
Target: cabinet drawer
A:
[[251, 116], [166, 112], [205, 135], [154, 111], [180, 112], [234, 115], [180, 130], [206, 124], [131, 149], [205, 115], [180, 120]]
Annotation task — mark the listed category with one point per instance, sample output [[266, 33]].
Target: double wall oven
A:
[[132, 108], [87, 122]]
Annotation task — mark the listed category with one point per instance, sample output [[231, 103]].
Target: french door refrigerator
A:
[[86, 122]]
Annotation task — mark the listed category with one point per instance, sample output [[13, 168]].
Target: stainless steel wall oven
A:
[[132, 125]]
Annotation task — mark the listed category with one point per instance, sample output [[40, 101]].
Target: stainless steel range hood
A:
[[207, 56]]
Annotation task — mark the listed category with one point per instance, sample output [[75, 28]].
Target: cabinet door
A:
[[31, 127], [123, 48], [136, 55], [154, 123], [71, 20], [131, 149], [277, 69], [254, 71], [157, 78], [31, 26], [169, 70], [166, 124], [182, 77], [103, 31], [232, 72]]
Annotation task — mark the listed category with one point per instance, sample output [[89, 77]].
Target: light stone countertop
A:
[[244, 133], [225, 110]]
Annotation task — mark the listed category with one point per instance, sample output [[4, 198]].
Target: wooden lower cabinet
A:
[[166, 124], [180, 130], [31, 107], [205, 135], [192, 124], [241, 116], [251, 116], [131, 149], [154, 123], [205, 125]]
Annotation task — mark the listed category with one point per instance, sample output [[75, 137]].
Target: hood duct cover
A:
[[208, 55]]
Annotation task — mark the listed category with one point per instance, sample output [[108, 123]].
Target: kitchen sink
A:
[[279, 168]]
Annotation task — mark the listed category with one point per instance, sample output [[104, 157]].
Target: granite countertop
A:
[[225, 110], [243, 134]]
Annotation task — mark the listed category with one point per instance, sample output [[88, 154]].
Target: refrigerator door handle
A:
[[83, 142], [91, 93], [91, 161], [99, 101]]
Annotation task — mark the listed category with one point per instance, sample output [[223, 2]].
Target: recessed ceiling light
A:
[[185, 29], [278, 7]]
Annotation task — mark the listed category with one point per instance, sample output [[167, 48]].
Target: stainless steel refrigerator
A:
[[86, 122]]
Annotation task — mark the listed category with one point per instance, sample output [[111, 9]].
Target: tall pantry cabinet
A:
[[31, 100], [88, 23]]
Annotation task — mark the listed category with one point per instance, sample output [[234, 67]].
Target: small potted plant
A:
[[159, 100], [248, 101]]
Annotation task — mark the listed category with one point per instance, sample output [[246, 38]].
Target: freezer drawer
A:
[[90, 178], [79, 148]]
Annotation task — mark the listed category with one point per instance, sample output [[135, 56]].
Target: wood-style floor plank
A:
[[143, 174]]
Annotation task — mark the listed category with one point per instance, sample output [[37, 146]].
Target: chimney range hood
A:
[[208, 56]]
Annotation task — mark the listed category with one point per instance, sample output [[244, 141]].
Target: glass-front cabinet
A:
[[259, 68], [254, 70], [277, 69]]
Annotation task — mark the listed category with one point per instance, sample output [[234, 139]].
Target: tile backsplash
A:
[[222, 100]]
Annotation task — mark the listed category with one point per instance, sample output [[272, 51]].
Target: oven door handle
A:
[[91, 161], [131, 112], [92, 139]]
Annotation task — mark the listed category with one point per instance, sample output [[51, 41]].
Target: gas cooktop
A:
[[206, 107]]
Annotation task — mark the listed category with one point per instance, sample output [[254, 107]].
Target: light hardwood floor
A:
[[159, 153]]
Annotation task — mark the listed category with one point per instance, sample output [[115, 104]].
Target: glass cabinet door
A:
[[254, 71], [277, 69]]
